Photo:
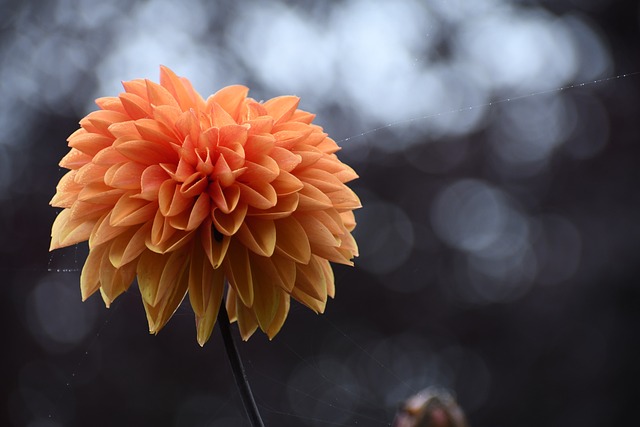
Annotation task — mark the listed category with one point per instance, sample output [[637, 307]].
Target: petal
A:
[[322, 180], [135, 106], [231, 98], [260, 195], [266, 298], [114, 281], [151, 180], [158, 274], [174, 85], [75, 159], [131, 211], [285, 207], [103, 231], [247, 323], [280, 316], [259, 236], [191, 219], [124, 175], [310, 279], [238, 271], [146, 152], [282, 108], [206, 287], [158, 95], [170, 200], [225, 199], [316, 231], [215, 248], [228, 224], [286, 159], [312, 199], [219, 117], [291, 240], [129, 245], [159, 315], [90, 276], [89, 143]]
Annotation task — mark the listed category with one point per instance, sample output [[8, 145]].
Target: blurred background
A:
[[497, 147]]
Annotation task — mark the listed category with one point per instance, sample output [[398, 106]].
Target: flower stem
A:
[[237, 368]]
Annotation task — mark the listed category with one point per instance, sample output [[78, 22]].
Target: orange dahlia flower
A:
[[186, 194]]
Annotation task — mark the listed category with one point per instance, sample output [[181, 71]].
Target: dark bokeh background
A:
[[499, 235]]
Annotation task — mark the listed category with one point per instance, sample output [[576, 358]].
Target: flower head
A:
[[184, 193]]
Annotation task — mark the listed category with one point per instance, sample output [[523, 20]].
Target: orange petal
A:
[[191, 219], [316, 231], [101, 120], [280, 316], [159, 273], [134, 247], [260, 195], [215, 248], [291, 240], [99, 193], [66, 233], [90, 173], [194, 185], [159, 314], [119, 246], [75, 159], [124, 175], [131, 211], [260, 125], [146, 152], [225, 199], [266, 170], [89, 143], [151, 180], [266, 298], [161, 230], [282, 108], [310, 280], [206, 286], [111, 103], [90, 276], [135, 106], [312, 199], [322, 180], [259, 236], [314, 304], [67, 191], [231, 98], [286, 206], [228, 224], [109, 157], [247, 323], [114, 281], [219, 117], [158, 95], [286, 183], [174, 85], [103, 231], [238, 271], [286, 159], [154, 131], [258, 146], [170, 200]]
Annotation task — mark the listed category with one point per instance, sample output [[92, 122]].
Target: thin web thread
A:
[[490, 104]]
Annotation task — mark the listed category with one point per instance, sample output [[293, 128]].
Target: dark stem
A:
[[237, 368]]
